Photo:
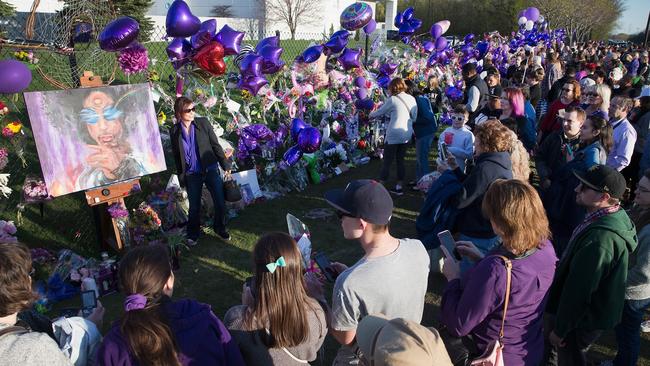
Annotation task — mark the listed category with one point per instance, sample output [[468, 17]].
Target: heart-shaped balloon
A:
[[205, 34], [230, 39], [350, 58], [178, 51], [273, 41], [309, 140], [180, 21], [252, 84], [210, 58], [119, 34]]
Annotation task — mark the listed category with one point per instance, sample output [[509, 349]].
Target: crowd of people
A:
[[545, 260]]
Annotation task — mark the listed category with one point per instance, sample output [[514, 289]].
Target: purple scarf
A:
[[190, 149]]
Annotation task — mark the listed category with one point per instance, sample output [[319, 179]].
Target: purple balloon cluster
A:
[[264, 60], [363, 101], [307, 140], [407, 24], [349, 58], [252, 137], [385, 72], [120, 35]]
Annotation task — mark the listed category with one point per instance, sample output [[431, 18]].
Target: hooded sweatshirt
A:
[[488, 167], [201, 337], [588, 291]]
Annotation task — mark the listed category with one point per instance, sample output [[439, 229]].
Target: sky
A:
[[634, 17]]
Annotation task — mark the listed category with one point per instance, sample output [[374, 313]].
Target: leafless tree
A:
[[293, 12], [222, 11]]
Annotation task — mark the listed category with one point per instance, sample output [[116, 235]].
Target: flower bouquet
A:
[[145, 225], [7, 232], [35, 190]]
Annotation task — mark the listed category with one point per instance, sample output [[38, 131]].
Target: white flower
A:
[[5, 191]]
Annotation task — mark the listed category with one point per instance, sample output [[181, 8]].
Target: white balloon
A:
[[444, 24], [541, 19], [522, 21], [529, 25]]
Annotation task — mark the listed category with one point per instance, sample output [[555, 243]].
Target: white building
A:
[[245, 15]]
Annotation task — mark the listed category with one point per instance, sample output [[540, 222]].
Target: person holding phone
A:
[[277, 323], [472, 303]]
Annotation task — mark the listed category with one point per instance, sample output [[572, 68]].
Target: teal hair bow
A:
[[274, 265]]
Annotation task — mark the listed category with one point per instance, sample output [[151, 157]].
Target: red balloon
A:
[[210, 58]]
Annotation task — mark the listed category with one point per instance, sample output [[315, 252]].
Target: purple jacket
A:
[[474, 304], [201, 337]]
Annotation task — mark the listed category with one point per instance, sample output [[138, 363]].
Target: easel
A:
[[107, 227]]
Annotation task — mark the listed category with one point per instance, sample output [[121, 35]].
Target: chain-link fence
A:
[[68, 221]]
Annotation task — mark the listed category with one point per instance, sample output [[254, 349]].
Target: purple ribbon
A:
[[135, 302]]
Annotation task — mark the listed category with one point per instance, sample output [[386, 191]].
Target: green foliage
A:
[[331, 29], [6, 9], [136, 9]]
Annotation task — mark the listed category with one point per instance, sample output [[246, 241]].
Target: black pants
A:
[[576, 346], [395, 152], [631, 174]]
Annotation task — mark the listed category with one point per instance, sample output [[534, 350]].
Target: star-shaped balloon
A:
[[230, 39], [350, 58]]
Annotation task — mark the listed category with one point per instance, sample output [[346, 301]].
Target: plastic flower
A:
[[15, 127], [162, 117], [6, 132], [133, 59]]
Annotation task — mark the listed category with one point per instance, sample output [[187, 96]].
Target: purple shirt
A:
[[191, 150], [624, 140], [201, 337], [474, 304]]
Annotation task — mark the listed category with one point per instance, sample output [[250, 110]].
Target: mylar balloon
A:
[[292, 155], [341, 34], [180, 21], [273, 41], [335, 45], [210, 58], [361, 93], [272, 62], [178, 51], [230, 39], [350, 58], [436, 31], [119, 34], [360, 82], [309, 140], [311, 54], [251, 65], [408, 14], [429, 46], [205, 34], [370, 27], [469, 38], [356, 16], [15, 76], [482, 48], [388, 68], [444, 24], [252, 84], [297, 125], [441, 43]]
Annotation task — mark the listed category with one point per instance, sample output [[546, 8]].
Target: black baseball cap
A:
[[603, 178], [365, 199]]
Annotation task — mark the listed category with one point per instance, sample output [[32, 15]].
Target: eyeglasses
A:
[[567, 89], [90, 116], [341, 215], [457, 118], [189, 110]]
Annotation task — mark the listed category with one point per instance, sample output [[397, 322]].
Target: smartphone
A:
[[444, 153], [88, 302], [447, 240], [324, 264]]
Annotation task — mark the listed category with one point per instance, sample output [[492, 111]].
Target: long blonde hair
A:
[[519, 157]]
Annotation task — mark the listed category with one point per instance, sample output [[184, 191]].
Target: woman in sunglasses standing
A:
[[197, 152], [570, 96], [596, 99]]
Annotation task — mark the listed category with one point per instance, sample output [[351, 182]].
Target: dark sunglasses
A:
[[457, 118], [189, 110], [567, 90], [341, 215]]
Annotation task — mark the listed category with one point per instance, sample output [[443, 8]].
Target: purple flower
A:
[[133, 59]]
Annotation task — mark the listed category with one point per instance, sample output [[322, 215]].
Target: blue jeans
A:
[[422, 148], [627, 332], [213, 182], [482, 244]]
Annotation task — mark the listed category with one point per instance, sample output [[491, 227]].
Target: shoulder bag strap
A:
[[13, 330], [508, 264], [287, 351], [408, 110]]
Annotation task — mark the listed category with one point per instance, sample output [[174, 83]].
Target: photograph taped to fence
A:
[[90, 137]]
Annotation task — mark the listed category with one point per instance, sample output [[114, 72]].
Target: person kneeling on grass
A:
[[154, 330], [278, 324]]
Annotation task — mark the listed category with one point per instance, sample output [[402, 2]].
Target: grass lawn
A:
[[214, 271]]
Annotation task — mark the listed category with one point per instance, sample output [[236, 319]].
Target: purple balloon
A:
[[383, 81], [415, 23], [252, 84], [180, 21], [433, 58], [370, 27], [251, 65], [350, 58], [273, 41], [469, 38], [335, 45], [178, 51], [362, 93], [309, 140], [341, 34], [205, 34], [260, 132], [408, 14], [230, 39], [429, 46], [281, 134], [483, 47], [436, 31], [356, 16], [119, 34], [360, 81], [365, 104], [441, 43], [297, 125], [271, 59], [406, 30], [388, 68], [532, 13], [311, 54], [292, 155], [399, 19], [15, 76]]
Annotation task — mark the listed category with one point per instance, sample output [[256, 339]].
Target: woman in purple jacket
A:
[[472, 305], [155, 330]]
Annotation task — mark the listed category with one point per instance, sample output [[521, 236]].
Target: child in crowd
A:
[[458, 138]]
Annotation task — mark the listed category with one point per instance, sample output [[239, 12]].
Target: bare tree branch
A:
[[293, 12]]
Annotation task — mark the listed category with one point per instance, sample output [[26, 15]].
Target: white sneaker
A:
[[645, 326]]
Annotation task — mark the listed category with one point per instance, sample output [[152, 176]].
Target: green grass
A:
[[214, 271]]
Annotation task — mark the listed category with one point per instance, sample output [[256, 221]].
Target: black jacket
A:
[[488, 167], [549, 157], [556, 88], [210, 152]]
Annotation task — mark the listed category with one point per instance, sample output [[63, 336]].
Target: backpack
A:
[[439, 210]]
